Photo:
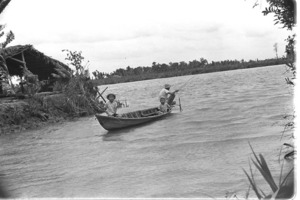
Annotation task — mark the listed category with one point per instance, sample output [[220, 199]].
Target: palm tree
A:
[[4, 75], [3, 4]]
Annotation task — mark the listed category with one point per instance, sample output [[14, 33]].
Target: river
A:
[[199, 152]]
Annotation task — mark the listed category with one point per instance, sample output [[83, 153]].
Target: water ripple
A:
[[194, 153]]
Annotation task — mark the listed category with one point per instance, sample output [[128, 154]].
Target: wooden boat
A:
[[130, 119]]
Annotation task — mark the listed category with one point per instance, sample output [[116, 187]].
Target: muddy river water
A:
[[199, 152]]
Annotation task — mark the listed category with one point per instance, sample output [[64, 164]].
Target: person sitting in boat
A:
[[163, 107], [101, 104], [111, 105], [169, 96]]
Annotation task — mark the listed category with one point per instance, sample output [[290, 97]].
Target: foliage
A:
[[4, 75], [291, 55], [37, 107], [78, 99], [98, 75], [15, 115], [79, 93], [276, 49], [62, 76], [9, 38], [76, 59], [180, 69], [10, 35], [3, 4], [284, 12], [284, 189], [33, 85], [12, 114]]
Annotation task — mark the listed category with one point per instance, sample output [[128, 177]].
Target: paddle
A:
[[100, 94]]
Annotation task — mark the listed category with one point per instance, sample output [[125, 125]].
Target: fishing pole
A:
[[182, 86], [186, 82]]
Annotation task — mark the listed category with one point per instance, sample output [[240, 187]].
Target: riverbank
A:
[[17, 115]]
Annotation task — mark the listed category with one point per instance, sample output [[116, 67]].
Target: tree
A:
[[155, 67], [290, 56], [164, 67], [182, 65], [4, 74], [3, 4], [76, 59], [128, 70], [10, 35], [120, 72], [98, 75], [174, 66], [138, 71], [194, 64], [284, 12], [203, 61], [276, 49]]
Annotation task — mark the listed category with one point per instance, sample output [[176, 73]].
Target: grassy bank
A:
[[17, 115], [73, 95]]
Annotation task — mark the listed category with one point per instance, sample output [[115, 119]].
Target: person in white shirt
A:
[[111, 105], [169, 96]]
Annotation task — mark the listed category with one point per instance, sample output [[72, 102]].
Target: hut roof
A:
[[35, 61]]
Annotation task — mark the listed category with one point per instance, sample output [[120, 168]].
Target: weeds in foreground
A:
[[16, 115], [285, 187]]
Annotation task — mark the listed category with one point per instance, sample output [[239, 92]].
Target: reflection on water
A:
[[195, 153]]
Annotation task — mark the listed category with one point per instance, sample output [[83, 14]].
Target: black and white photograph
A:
[[148, 99]]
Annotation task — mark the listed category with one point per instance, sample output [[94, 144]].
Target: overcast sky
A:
[[119, 33]]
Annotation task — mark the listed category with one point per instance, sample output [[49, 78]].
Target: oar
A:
[[103, 90], [100, 94], [101, 97]]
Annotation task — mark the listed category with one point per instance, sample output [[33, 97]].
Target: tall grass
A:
[[284, 189]]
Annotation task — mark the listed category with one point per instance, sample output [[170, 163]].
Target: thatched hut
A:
[[25, 56], [21, 58]]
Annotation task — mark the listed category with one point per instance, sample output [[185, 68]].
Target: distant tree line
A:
[[182, 68]]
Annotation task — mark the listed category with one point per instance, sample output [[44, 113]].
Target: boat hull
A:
[[124, 120]]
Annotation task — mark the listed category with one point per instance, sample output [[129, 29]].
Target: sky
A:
[[115, 34]]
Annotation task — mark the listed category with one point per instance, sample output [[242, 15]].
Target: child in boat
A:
[[101, 104], [163, 107], [111, 105]]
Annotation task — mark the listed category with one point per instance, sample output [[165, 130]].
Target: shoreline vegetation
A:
[[43, 109], [284, 15], [178, 69], [28, 106]]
